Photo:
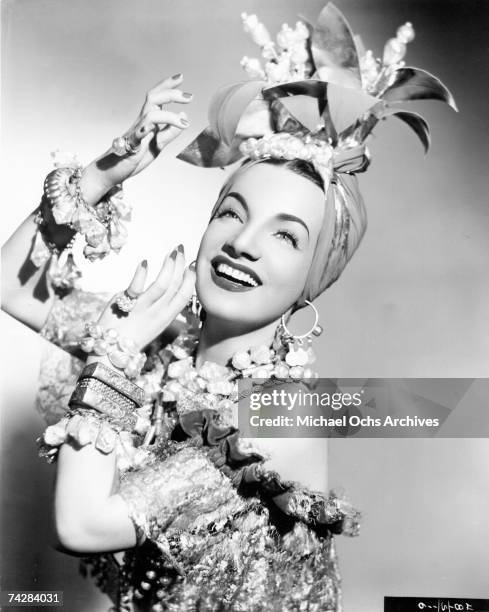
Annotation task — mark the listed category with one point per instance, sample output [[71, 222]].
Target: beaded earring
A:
[[298, 347]]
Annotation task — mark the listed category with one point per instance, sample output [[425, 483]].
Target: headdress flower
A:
[[316, 94]]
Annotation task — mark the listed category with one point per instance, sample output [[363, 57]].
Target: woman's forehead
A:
[[273, 189]]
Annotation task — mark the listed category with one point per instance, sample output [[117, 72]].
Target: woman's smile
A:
[[257, 249], [233, 276]]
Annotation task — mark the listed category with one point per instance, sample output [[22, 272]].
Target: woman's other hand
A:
[[154, 128], [157, 305]]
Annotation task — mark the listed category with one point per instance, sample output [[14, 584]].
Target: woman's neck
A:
[[220, 340]]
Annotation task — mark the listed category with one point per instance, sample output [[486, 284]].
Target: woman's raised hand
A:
[[153, 129], [157, 305]]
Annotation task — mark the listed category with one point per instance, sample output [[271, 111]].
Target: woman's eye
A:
[[228, 212], [288, 237]]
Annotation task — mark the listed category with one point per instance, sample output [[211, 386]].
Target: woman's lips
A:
[[235, 272], [228, 284], [233, 276]]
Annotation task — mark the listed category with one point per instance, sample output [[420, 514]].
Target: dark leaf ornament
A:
[[316, 82]]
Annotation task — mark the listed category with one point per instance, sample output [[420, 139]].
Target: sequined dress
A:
[[222, 533]]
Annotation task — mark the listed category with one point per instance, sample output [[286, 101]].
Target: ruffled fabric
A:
[[245, 469], [210, 548]]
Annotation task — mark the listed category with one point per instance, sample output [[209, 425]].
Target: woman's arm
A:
[[26, 294], [89, 515]]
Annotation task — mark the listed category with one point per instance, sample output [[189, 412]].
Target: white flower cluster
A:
[[376, 73], [283, 145], [286, 60]]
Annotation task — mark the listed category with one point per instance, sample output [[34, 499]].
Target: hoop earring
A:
[[299, 346]]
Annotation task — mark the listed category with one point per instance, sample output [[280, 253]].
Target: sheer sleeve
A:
[[60, 369]]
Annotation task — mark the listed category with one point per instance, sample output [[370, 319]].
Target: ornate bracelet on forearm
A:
[[122, 352], [103, 405], [101, 225], [108, 393]]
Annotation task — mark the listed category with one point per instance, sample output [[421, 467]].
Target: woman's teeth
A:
[[242, 277]]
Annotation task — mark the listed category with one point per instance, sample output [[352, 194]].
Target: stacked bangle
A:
[[111, 378], [122, 352], [103, 405], [101, 389]]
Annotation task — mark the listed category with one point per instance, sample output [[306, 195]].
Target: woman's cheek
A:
[[288, 270]]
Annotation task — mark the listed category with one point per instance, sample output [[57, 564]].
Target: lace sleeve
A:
[[59, 370]]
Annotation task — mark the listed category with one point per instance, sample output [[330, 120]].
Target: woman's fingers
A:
[[158, 287], [156, 99], [136, 287], [166, 91], [184, 293], [166, 311], [176, 278], [166, 83], [157, 119], [165, 136], [169, 279]]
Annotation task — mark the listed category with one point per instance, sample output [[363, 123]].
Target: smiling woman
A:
[[267, 220], [149, 461]]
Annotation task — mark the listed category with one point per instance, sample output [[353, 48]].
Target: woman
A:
[[207, 524]]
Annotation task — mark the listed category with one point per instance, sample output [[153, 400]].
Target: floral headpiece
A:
[[316, 95]]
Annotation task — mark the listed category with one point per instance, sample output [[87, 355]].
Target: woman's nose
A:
[[243, 244]]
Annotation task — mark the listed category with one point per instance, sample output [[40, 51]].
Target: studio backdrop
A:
[[412, 303]]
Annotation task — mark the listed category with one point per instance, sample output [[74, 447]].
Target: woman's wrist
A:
[[120, 353], [94, 184]]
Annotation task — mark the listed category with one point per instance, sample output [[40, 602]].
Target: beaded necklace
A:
[[178, 382]]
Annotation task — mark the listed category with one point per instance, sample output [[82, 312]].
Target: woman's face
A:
[[256, 252]]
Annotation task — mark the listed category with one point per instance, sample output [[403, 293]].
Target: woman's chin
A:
[[229, 305]]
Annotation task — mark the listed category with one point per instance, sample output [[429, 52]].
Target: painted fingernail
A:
[[180, 248], [184, 122], [144, 263], [177, 76], [192, 266], [173, 254], [187, 95]]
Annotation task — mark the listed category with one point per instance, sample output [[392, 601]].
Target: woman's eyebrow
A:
[[287, 217], [280, 217], [239, 197]]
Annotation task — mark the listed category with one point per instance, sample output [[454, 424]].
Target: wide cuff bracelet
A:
[[116, 381], [96, 395]]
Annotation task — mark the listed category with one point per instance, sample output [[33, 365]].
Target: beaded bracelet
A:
[[122, 352], [101, 225]]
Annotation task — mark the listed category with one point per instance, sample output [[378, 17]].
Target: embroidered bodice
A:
[[222, 532]]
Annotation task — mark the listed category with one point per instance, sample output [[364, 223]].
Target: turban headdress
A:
[[317, 96]]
